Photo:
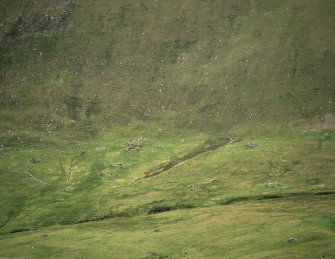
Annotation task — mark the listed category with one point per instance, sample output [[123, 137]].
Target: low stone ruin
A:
[[135, 144], [252, 145]]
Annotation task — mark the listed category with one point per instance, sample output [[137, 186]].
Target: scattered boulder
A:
[[159, 209], [2, 148], [252, 145], [114, 176], [291, 239], [135, 144], [100, 149], [183, 57], [119, 165], [273, 185], [35, 161], [62, 2], [319, 123], [327, 136], [142, 139], [35, 178]]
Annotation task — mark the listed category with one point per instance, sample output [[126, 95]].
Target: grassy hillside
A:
[[167, 129], [178, 196], [211, 64]]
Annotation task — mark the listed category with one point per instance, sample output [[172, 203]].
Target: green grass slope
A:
[[202, 64], [257, 230], [177, 195], [167, 129]]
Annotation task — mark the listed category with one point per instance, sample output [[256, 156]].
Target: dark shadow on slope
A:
[[274, 196], [209, 145], [162, 209], [22, 230]]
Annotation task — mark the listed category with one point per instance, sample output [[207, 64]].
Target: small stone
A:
[[291, 239], [118, 165], [252, 145], [133, 145], [142, 139], [100, 149], [35, 161], [183, 57], [115, 176], [327, 136], [273, 185]]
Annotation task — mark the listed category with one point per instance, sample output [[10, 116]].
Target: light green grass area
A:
[[283, 187], [251, 230]]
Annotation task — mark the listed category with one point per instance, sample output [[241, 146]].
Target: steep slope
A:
[[203, 64]]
